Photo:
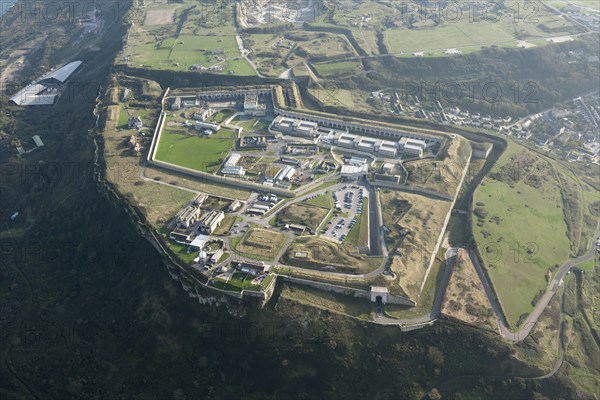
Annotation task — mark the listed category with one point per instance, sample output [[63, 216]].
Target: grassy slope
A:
[[531, 219]]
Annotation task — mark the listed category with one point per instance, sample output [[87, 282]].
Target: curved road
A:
[[541, 305], [503, 328]]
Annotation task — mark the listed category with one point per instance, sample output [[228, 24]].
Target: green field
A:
[[237, 282], [324, 200], [259, 244], [407, 31], [184, 40], [337, 68], [359, 234], [587, 5], [314, 253], [199, 153], [179, 249], [519, 227], [184, 51], [304, 214], [468, 36]]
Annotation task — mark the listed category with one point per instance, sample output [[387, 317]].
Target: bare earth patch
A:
[[423, 222], [159, 17], [465, 297]]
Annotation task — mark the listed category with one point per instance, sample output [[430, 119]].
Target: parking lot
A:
[[348, 203]]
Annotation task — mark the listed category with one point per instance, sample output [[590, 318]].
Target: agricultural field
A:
[[587, 5], [519, 226], [304, 214], [179, 36], [423, 218], [191, 151], [408, 32], [511, 27], [314, 253], [260, 244]]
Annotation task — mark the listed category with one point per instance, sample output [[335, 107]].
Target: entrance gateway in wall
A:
[[381, 292]]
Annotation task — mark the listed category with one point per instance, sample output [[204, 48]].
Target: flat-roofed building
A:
[[297, 228], [254, 210], [295, 126], [412, 150], [379, 294], [199, 242], [389, 143], [290, 160], [190, 103], [124, 94], [354, 172], [188, 216], [176, 104], [387, 151], [388, 168], [204, 114], [214, 258], [413, 142], [342, 142], [38, 142], [201, 198], [253, 269], [252, 105], [285, 174], [366, 145], [183, 235], [283, 124], [233, 159], [236, 170], [202, 125], [358, 161], [211, 220], [328, 138], [305, 127]]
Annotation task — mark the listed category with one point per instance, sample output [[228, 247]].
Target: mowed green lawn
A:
[[529, 238], [200, 153]]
